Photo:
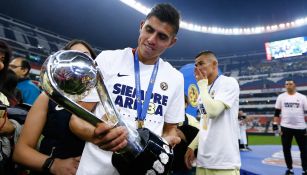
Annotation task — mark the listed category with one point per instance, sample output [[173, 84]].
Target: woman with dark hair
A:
[[5, 55], [7, 127], [9, 89], [82, 46], [60, 149]]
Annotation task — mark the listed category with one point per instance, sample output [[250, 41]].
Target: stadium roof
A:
[[111, 24]]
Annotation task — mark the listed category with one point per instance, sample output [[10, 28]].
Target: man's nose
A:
[[152, 39]]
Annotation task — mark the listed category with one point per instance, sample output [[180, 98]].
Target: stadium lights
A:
[[222, 30]]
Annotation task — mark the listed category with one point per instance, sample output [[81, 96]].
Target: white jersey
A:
[[242, 134], [218, 140], [292, 110], [166, 104]]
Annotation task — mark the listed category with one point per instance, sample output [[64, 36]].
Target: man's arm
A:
[[80, 127], [213, 107], [276, 119], [102, 135]]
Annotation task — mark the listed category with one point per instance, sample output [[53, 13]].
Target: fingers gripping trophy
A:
[[67, 77]]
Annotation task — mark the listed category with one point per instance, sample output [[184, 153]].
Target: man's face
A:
[[290, 86], [15, 65], [155, 37], [205, 64]]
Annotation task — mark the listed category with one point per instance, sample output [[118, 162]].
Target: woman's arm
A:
[[25, 150]]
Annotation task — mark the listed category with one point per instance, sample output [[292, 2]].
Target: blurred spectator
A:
[[10, 90], [60, 149], [28, 89], [243, 144], [9, 129]]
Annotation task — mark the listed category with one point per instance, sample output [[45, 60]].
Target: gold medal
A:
[[140, 123]]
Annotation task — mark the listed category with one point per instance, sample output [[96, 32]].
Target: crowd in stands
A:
[[246, 66]]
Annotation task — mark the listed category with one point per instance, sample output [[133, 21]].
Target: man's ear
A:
[[141, 25], [173, 42], [24, 71]]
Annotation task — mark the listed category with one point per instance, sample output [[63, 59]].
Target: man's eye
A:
[[162, 37], [149, 30]]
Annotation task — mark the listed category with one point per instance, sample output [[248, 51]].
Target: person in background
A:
[[243, 144], [218, 152], [187, 130], [60, 149], [9, 129], [10, 89], [121, 70], [289, 108], [28, 89]]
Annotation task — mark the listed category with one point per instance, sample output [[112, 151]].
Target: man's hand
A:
[[110, 139], [199, 75], [189, 158], [275, 126], [172, 140]]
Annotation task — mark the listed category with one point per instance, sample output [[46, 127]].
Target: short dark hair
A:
[[206, 52], [84, 43], [6, 49], [290, 79], [25, 64], [167, 13]]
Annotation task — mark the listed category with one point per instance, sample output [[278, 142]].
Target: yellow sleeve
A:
[[213, 107], [194, 144]]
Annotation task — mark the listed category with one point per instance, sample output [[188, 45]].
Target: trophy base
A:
[[156, 157]]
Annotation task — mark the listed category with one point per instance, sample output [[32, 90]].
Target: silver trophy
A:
[[67, 77]]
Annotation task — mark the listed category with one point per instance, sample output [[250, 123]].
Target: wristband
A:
[[47, 165]]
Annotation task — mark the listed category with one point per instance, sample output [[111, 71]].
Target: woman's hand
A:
[[65, 166]]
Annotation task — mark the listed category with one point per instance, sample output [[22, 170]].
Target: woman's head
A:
[[5, 55], [81, 46]]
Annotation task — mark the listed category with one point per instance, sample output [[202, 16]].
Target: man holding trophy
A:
[[147, 92]]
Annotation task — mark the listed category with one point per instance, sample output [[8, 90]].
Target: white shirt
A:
[[166, 105], [292, 110], [218, 144]]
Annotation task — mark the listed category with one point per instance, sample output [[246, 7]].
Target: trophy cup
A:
[[67, 77]]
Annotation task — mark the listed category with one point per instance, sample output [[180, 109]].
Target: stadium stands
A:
[[260, 80], [31, 42]]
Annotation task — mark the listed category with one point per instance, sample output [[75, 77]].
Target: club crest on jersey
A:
[[164, 86], [193, 95]]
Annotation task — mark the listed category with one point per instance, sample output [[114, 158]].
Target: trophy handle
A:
[[111, 116]]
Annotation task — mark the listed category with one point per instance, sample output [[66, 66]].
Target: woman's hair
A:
[[9, 88], [84, 43], [4, 48]]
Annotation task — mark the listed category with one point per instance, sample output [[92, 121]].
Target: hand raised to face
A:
[[199, 75]]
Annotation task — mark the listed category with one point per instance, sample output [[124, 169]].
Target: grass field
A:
[[265, 140]]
